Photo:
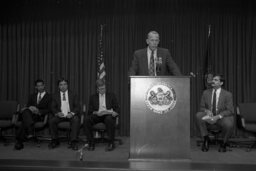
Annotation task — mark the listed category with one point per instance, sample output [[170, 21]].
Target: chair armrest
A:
[[117, 120], [83, 114], [45, 119], [15, 117], [242, 121], [82, 119]]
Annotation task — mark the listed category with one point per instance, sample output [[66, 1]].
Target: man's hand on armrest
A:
[[34, 110], [59, 114]]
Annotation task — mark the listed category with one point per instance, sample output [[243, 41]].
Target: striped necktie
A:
[[64, 97], [214, 103], [152, 64], [39, 98]]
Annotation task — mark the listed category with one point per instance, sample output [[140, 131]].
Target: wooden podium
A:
[[160, 118]]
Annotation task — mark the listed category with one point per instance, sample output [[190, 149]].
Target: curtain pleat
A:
[[52, 39]]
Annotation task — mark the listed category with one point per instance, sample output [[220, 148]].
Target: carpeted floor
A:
[[121, 153]]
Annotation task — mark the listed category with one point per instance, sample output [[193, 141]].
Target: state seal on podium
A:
[[160, 98]]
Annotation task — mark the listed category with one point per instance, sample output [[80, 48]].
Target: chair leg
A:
[[38, 142], [251, 147], [2, 138], [120, 142], [68, 137]]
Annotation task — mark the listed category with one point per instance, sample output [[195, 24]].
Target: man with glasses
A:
[[153, 60], [103, 107]]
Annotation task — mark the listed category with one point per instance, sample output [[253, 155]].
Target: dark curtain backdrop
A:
[[56, 38]]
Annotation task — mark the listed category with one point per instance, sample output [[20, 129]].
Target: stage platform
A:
[[62, 158]]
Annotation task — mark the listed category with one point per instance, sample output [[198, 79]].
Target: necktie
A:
[[64, 97], [152, 64], [39, 98], [214, 103]]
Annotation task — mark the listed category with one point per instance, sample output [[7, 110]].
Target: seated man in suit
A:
[[103, 107], [216, 107], [38, 105], [65, 107]]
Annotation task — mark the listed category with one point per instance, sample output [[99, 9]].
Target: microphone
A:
[[81, 152], [192, 74], [158, 64]]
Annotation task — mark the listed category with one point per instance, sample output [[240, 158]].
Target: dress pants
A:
[[226, 124], [27, 126], [108, 120], [74, 126]]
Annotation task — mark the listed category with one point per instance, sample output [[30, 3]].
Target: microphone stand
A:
[[81, 152], [158, 65]]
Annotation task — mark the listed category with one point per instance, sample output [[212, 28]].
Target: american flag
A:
[[100, 60]]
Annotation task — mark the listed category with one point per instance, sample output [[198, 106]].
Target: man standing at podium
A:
[[216, 110], [153, 60]]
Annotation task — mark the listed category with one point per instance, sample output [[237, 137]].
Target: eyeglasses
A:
[[101, 88]]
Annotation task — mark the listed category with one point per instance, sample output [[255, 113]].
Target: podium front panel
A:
[[160, 118]]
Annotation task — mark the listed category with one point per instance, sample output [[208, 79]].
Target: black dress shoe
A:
[[110, 147], [205, 145], [91, 147], [53, 144], [74, 146], [30, 137], [18, 146], [223, 148]]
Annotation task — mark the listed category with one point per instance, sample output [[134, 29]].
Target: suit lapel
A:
[[221, 98], [43, 99], [70, 99], [58, 99], [96, 101], [210, 98], [145, 60], [35, 98], [107, 100]]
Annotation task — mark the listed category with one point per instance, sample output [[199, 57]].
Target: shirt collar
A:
[[217, 90], [102, 94], [42, 93], [149, 50], [66, 92]]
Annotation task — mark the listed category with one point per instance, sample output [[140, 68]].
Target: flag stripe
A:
[[100, 58]]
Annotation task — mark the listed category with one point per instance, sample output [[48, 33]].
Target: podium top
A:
[[185, 76]]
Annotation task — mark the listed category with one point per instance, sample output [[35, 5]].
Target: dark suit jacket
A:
[[111, 103], [73, 103], [225, 104], [44, 105], [140, 63]]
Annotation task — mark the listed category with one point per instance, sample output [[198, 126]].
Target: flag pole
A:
[[207, 73], [209, 30]]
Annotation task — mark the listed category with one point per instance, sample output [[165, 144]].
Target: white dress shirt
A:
[[42, 95], [65, 109], [102, 102]]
